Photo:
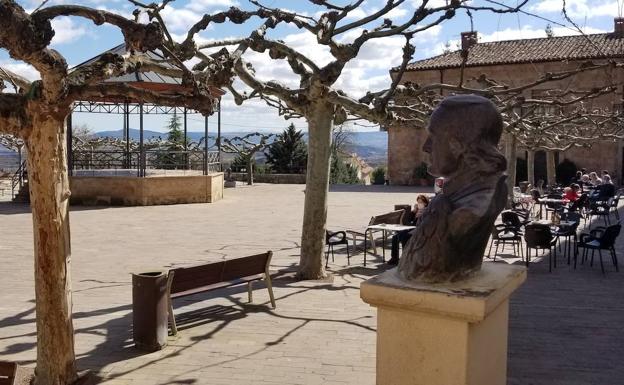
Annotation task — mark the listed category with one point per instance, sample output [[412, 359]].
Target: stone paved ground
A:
[[565, 327]]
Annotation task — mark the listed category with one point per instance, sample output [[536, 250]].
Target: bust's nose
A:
[[427, 146]]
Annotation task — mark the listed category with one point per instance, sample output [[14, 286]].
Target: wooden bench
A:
[[14, 374], [191, 280]]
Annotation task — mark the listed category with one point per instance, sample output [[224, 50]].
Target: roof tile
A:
[[595, 46]]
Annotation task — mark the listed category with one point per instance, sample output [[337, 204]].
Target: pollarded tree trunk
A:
[[551, 168], [320, 124], [531, 167], [49, 197]]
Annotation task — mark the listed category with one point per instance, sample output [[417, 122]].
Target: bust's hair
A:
[[476, 123]]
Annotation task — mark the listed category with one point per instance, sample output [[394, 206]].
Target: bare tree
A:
[[36, 112], [317, 99], [247, 147]]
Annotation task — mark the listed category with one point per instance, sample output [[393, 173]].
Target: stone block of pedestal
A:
[[443, 334]]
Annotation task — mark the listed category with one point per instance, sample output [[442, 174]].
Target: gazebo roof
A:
[[148, 80]]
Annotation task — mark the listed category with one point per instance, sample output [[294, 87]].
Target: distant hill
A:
[[372, 146]]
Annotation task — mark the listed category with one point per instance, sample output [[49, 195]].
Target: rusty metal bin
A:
[[149, 310]]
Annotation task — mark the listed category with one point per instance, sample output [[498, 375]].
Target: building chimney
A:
[[468, 39], [618, 26]]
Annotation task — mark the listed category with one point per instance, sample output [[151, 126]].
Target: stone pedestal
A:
[[443, 334]]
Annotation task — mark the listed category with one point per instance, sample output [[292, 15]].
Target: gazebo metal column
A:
[[219, 133], [126, 134], [70, 151], [141, 148], [205, 144]]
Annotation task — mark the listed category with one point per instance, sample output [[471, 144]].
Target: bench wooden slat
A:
[[7, 369], [186, 278], [7, 372], [245, 266], [219, 285]]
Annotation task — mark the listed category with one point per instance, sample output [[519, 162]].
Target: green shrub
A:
[[420, 172], [565, 171], [379, 175]]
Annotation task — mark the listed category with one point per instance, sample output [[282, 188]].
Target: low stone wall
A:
[[133, 191], [272, 178]]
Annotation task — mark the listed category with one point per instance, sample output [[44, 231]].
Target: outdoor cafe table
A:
[[384, 228], [545, 201]]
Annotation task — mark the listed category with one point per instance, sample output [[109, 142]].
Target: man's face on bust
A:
[[442, 148]]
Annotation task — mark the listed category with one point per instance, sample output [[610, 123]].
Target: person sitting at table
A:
[[571, 193], [578, 178], [603, 191], [403, 236], [540, 186], [594, 180]]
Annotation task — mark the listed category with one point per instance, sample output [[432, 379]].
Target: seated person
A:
[[603, 191], [403, 236], [571, 193], [594, 180]]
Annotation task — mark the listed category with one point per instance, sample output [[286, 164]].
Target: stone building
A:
[[518, 62]]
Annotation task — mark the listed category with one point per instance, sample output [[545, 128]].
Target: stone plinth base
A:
[[133, 191], [443, 334]]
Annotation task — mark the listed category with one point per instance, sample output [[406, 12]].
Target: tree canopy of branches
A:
[[36, 111], [246, 147], [317, 98], [290, 153]]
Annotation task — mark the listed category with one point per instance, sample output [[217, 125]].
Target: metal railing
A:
[[153, 162], [19, 178]]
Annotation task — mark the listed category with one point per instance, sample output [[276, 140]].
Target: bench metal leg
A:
[[172, 322], [250, 291], [267, 280], [174, 329]]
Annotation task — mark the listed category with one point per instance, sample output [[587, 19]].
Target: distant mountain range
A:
[[372, 146]]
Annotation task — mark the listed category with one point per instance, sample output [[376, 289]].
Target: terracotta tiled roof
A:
[[596, 46]]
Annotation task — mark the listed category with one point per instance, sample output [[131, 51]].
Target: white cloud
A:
[[23, 69], [66, 30], [579, 8], [205, 5], [528, 32]]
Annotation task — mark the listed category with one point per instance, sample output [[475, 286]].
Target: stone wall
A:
[[405, 143], [272, 178], [132, 191]]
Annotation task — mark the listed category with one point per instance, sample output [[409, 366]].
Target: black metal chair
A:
[[554, 207], [516, 218], [538, 236], [600, 238], [601, 209], [506, 234], [333, 238], [613, 205], [569, 232]]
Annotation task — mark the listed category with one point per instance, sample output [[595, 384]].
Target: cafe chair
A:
[[333, 238], [539, 237], [569, 233], [600, 238], [503, 234], [613, 205], [601, 209]]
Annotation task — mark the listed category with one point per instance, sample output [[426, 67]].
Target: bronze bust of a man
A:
[[452, 234]]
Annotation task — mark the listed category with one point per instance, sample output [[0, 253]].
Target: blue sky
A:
[[79, 40]]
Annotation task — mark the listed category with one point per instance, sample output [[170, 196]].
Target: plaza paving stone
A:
[[565, 327]]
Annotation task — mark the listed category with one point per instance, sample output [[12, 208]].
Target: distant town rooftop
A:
[[556, 48]]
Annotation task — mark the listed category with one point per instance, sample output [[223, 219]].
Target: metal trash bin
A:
[[149, 310]]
